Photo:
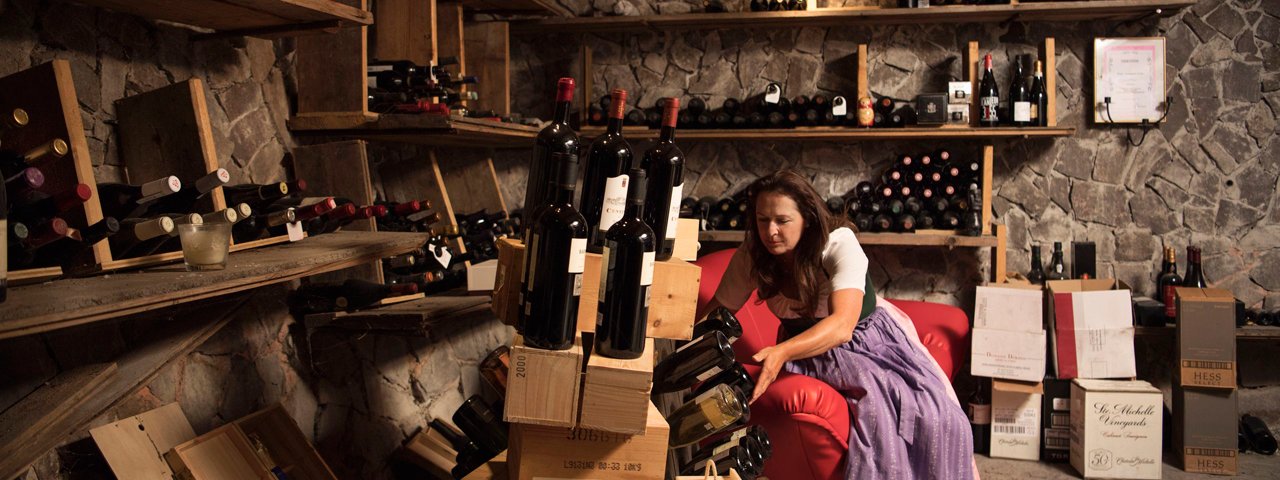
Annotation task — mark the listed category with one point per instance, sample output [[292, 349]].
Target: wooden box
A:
[[615, 392], [542, 385], [131, 445], [228, 451], [577, 453], [673, 298]]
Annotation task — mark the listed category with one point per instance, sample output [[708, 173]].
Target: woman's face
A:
[[779, 222]]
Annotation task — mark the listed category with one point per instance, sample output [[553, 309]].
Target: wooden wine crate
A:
[[340, 169], [47, 93], [227, 452], [673, 296], [615, 392], [133, 445], [543, 385], [577, 453]]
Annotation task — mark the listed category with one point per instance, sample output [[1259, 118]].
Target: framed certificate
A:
[[1131, 72]]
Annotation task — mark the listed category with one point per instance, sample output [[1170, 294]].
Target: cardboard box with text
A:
[[1205, 426], [1092, 328], [1015, 419], [1116, 429], [1206, 338], [1008, 333]]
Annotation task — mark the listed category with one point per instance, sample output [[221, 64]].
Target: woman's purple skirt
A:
[[906, 426]]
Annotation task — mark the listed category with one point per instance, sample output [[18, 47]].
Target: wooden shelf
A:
[[265, 18], [418, 128], [517, 7], [923, 238], [843, 134], [412, 317], [63, 303], [1109, 10], [1252, 332]]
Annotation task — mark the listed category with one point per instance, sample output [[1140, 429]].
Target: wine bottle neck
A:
[[668, 134], [614, 127], [562, 112]]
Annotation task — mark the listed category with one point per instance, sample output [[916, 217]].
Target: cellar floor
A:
[[1252, 465]]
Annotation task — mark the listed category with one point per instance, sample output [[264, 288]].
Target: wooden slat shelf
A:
[[1112, 10], [924, 238], [421, 129], [49, 306], [413, 317], [250, 17], [843, 134], [517, 7], [1252, 332]]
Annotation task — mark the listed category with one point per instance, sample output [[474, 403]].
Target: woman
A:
[[808, 267]]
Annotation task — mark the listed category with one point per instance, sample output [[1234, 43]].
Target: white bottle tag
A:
[[772, 94], [615, 201], [577, 255], [373, 81], [604, 273], [673, 214], [838, 107], [295, 231], [646, 271], [443, 256], [1035, 112], [1022, 111]]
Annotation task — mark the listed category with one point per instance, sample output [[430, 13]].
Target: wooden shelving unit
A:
[[262, 18], [412, 317], [517, 7], [1049, 11], [1252, 332], [41, 308], [844, 134], [923, 238], [420, 129]]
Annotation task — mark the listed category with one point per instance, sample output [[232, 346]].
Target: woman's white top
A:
[[844, 266]]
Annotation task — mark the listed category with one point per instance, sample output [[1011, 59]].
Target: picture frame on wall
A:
[[1130, 71]]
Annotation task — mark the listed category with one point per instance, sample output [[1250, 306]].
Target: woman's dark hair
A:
[[806, 270]]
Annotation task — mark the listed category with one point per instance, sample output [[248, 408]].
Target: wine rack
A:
[[263, 18]]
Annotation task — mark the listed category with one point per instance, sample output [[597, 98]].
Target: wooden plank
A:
[[524, 7], [340, 169], [405, 30], [167, 132], [1104, 10], [471, 181], [23, 427], [135, 446], [419, 129], [488, 46], [1050, 56], [224, 453], [999, 263], [412, 317], [845, 134], [287, 445], [544, 386], [971, 61], [449, 38], [864, 88], [331, 70], [238, 14], [40, 308], [988, 162], [921, 238]]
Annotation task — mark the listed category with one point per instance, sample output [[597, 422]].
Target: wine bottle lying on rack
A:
[[706, 414], [25, 185], [39, 208], [74, 253], [139, 236], [719, 320], [693, 362], [257, 196], [124, 201], [256, 226], [735, 376], [185, 199], [350, 295], [742, 454], [12, 162]]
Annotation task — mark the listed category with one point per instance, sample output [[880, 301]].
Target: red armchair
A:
[[807, 420]]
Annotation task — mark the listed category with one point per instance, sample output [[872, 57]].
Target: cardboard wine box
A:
[[1116, 429], [538, 451], [1205, 425], [1206, 338], [1055, 423], [931, 108], [1092, 328], [1015, 419], [1008, 333]]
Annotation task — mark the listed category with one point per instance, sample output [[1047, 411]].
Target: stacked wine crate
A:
[[583, 416]]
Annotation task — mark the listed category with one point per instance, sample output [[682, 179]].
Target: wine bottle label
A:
[[709, 373], [615, 201], [606, 272], [673, 213], [646, 271], [4, 252], [1022, 111], [532, 254], [1170, 295], [577, 255], [990, 106], [373, 81], [577, 285], [980, 414], [1035, 112], [646, 295], [838, 107]]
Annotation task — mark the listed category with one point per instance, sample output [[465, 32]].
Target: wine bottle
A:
[[54, 205], [140, 234], [1057, 270], [13, 162], [719, 320], [255, 195], [1036, 276], [253, 227], [664, 163], [122, 200], [881, 223], [626, 273], [557, 137], [559, 249], [836, 205], [24, 187], [1195, 274], [693, 362], [988, 96], [75, 253], [706, 414], [226, 215], [736, 457], [980, 416], [349, 295], [16, 118], [184, 200], [906, 223], [1167, 283], [1039, 98], [604, 189], [494, 368], [735, 377], [481, 425], [1019, 96]]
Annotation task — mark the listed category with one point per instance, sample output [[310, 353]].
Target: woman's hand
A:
[[771, 360]]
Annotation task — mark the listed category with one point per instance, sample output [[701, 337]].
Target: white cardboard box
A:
[[1116, 429], [1008, 333], [1015, 419], [1092, 333]]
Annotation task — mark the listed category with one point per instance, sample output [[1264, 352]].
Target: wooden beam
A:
[[449, 30], [971, 61], [1050, 56], [489, 58], [405, 30], [999, 255], [239, 14], [414, 317], [864, 88], [988, 161]]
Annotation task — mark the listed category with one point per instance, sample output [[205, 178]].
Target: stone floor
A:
[[1251, 466]]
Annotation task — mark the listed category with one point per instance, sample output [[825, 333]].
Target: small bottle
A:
[[1195, 274], [980, 416], [1036, 276], [1057, 269]]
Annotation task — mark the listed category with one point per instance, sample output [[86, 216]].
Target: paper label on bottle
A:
[[373, 81], [708, 374], [646, 271], [1022, 111], [673, 213], [646, 295], [604, 273], [295, 231], [979, 414], [4, 252], [615, 201], [990, 109], [577, 284], [1035, 112], [532, 253], [577, 255], [1062, 404]]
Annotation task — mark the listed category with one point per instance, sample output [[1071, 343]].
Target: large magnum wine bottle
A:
[[558, 137], [664, 162], [604, 188], [559, 250], [626, 272], [693, 362]]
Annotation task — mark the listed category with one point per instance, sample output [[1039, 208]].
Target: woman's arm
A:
[[828, 333]]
